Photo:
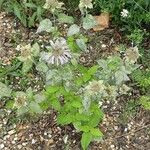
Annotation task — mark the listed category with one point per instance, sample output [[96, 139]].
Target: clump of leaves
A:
[[28, 53], [114, 70], [5, 91], [27, 102], [28, 11], [145, 102], [142, 77]]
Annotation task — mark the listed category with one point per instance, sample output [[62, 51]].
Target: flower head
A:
[[60, 53], [124, 89], [124, 13], [132, 54], [85, 4], [53, 5], [26, 53], [95, 87], [112, 91], [20, 100]]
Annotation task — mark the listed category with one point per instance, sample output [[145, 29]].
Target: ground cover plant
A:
[[49, 73]]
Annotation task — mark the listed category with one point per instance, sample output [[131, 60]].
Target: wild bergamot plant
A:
[[74, 91]]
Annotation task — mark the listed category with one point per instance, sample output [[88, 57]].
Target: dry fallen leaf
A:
[[102, 21]]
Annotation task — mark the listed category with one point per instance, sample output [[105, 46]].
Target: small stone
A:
[[2, 146], [16, 138], [49, 135], [24, 144], [11, 132], [19, 146], [45, 133], [116, 127], [13, 142], [6, 137], [126, 129], [33, 141], [112, 146], [103, 46]]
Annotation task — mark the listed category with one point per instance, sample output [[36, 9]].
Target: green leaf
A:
[[35, 107], [22, 110], [86, 77], [93, 70], [65, 119], [81, 43], [27, 65], [9, 104], [55, 103], [42, 67], [86, 139], [79, 81], [35, 49], [40, 97], [96, 132], [84, 128], [76, 104], [63, 18], [52, 89], [72, 44], [145, 101], [81, 117], [45, 25], [29, 93], [74, 29], [88, 22], [30, 5], [4, 90], [120, 77], [31, 20], [17, 11]]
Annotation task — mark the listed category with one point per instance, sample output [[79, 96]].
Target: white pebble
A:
[[2, 146], [19, 146], [24, 144], [112, 146], [33, 141], [11, 132], [103, 46]]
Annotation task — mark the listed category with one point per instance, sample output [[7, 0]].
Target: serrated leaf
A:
[[74, 29], [35, 49], [86, 77], [4, 90], [88, 22], [45, 25], [35, 107], [81, 43], [22, 110], [40, 97], [76, 104], [52, 89], [72, 44], [145, 101], [86, 139], [84, 128], [27, 65], [29, 93], [93, 70], [64, 119], [96, 132], [42, 67], [63, 18], [120, 77], [55, 104]]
